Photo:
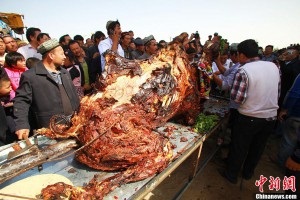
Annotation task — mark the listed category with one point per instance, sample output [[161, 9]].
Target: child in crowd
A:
[[6, 136], [31, 62], [76, 73], [14, 66]]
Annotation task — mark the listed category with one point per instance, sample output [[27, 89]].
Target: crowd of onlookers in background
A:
[[85, 57]]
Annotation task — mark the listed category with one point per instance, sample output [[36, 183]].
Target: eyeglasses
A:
[[13, 41]]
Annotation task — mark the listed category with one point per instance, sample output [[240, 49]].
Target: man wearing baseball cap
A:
[[46, 90]]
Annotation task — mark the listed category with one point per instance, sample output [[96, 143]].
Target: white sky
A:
[[273, 22]]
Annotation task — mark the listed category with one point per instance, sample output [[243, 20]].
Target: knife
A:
[[18, 151]]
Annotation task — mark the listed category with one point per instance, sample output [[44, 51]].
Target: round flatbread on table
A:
[[31, 186]]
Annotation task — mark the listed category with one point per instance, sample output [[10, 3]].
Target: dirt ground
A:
[[209, 185]]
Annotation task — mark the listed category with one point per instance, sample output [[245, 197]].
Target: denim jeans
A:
[[289, 139]]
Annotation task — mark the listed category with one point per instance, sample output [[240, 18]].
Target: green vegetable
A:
[[222, 45], [205, 123]]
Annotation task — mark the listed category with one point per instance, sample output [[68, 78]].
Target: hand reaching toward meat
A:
[[22, 133]]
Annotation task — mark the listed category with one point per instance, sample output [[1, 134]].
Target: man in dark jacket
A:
[[290, 68], [89, 73], [289, 115], [46, 89]]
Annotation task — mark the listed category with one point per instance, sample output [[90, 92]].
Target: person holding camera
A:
[[198, 44], [184, 39]]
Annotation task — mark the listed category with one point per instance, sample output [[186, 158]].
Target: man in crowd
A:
[[290, 69], [257, 97], [224, 61], [2, 53], [43, 37], [290, 112], [150, 47], [88, 43], [64, 41], [162, 44], [140, 48], [10, 44], [111, 42], [89, 74], [93, 52], [131, 33], [47, 89], [79, 39], [268, 54], [125, 41], [30, 50]]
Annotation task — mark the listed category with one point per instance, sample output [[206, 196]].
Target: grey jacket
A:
[[144, 56]]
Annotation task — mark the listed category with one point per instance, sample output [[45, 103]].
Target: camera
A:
[[196, 35]]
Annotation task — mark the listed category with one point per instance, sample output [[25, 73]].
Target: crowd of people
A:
[[48, 76], [264, 99]]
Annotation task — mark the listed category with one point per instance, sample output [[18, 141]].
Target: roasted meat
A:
[[118, 122]]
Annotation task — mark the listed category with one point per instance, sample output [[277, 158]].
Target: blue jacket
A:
[[292, 99]]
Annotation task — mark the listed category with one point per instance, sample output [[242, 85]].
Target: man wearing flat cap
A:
[[45, 90], [111, 42], [150, 47], [139, 51]]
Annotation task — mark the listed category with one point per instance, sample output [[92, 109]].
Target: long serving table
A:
[[186, 143]]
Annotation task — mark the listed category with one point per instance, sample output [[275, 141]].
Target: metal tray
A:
[[80, 174]]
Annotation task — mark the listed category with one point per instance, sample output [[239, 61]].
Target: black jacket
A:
[[93, 68], [289, 72], [3, 126], [39, 91], [95, 63], [74, 73]]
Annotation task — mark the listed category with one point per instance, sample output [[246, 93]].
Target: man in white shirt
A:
[[30, 50], [225, 61], [112, 42], [42, 37]]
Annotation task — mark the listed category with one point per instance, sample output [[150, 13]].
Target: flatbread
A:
[[32, 186]]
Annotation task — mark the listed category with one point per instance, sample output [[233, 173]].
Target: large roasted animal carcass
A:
[[116, 125]]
